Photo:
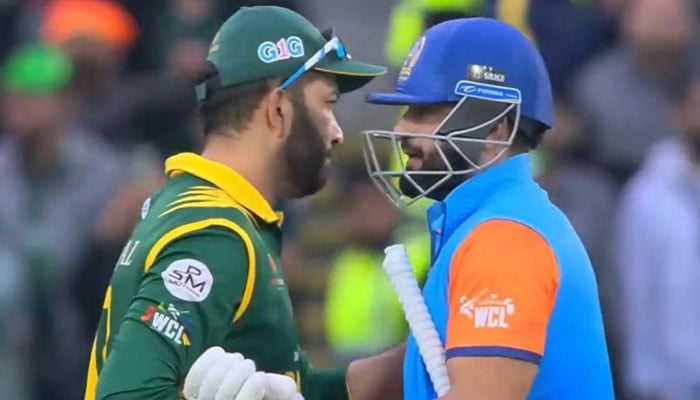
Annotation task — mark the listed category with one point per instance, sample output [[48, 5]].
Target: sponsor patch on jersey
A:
[[487, 310], [170, 322], [188, 279]]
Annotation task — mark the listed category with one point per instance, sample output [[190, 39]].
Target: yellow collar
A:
[[225, 179]]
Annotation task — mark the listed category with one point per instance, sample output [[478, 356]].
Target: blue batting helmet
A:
[[489, 71]]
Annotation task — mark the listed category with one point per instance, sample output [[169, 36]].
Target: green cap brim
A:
[[351, 74]]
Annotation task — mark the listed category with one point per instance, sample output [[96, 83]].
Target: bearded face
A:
[[306, 155]]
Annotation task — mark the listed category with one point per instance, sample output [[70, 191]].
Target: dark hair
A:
[[231, 107]]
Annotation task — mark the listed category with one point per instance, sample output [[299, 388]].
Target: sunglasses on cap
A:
[[333, 44]]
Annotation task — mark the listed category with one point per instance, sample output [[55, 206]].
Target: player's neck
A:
[[246, 163]]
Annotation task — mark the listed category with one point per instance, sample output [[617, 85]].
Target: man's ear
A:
[[278, 112]]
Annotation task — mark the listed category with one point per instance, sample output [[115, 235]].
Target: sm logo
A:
[[188, 279]]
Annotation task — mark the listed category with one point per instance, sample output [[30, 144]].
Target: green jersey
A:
[[201, 269]]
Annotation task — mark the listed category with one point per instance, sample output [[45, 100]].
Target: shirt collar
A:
[[470, 196], [226, 179]]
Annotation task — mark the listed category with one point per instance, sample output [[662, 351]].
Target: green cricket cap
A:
[[36, 69], [268, 41]]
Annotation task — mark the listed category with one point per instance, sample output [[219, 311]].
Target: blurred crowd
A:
[[95, 94]]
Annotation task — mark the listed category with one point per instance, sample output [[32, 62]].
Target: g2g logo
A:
[[291, 47]]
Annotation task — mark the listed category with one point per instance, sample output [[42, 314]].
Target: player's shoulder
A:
[[189, 201], [503, 245], [503, 233], [186, 212]]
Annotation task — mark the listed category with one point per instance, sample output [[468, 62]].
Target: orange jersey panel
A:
[[502, 286]]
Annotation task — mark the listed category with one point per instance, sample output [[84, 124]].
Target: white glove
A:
[[281, 387], [217, 375]]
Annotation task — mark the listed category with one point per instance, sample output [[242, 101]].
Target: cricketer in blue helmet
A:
[[511, 290]]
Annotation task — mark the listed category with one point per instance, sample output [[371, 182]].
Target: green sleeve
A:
[[185, 304], [322, 384]]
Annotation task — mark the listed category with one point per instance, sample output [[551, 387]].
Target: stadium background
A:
[[84, 131]]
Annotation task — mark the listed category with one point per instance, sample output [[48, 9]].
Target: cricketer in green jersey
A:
[[197, 306]]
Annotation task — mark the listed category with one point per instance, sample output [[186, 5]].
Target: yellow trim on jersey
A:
[[93, 375], [91, 385], [182, 230], [204, 197], [233, 184], [107, 305]]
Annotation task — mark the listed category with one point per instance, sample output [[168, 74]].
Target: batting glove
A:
[[217, 375]]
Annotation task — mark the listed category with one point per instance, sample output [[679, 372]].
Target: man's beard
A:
[[426, 182], [304, 155]]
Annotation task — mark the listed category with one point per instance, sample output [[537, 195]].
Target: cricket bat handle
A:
[[398, 267]]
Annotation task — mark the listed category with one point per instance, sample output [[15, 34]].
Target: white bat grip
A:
[[398, 267]]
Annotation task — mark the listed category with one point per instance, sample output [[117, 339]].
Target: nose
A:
[[409, 147], [337, 137]]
